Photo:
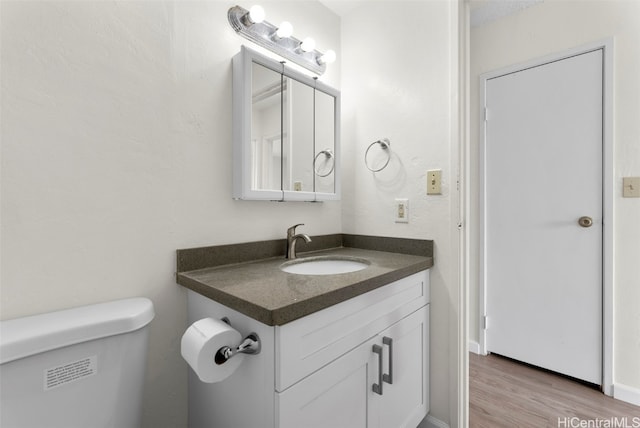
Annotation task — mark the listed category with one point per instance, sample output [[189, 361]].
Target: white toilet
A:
[[81, 367]]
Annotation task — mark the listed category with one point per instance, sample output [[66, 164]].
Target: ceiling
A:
[[482, 11], [343, 7]]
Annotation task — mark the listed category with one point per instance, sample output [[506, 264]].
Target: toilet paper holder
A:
[[251, 345]]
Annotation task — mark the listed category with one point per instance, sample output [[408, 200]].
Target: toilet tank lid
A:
[[23, 337]]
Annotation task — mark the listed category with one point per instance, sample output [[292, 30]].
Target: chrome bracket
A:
[[251, 345]]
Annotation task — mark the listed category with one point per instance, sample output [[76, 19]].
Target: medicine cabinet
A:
[[285, 132]]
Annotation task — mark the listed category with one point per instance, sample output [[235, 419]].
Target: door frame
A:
[[607, 196]]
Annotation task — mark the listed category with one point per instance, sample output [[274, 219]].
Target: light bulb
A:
[[328, 57], [256, 14], [308, 45], [284, 30]]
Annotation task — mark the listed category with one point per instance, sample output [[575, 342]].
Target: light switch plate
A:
[[631, 187], [434, 182], [401, 214]]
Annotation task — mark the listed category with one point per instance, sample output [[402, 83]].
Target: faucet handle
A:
[[292, 229]]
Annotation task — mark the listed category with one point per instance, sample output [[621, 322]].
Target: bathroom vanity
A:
[[346, 350]]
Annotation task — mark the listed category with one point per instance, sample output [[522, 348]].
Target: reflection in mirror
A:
[[266, 138], [298, 142], [324, 143]]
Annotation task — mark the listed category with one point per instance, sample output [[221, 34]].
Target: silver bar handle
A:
[[389, 377], [377, 387]]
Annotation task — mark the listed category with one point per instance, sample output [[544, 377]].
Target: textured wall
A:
[[116, 151], [397, 84]]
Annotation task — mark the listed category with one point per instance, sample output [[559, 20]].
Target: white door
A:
[[543, 173]]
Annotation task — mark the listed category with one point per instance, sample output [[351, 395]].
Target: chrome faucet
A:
[[292, 238]]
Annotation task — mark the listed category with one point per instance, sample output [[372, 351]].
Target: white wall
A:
[[554, 26], [397, 83], [116, 151]]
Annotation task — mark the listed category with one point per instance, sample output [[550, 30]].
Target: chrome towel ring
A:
[[385, 144], [328, 153]]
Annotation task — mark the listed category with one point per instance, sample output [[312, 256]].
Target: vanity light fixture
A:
[[328, 57], [256, 15], [308, 45], [284, 30], [251, 25]]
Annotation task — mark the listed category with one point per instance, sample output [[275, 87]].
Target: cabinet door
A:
[[405, 401], [297, 150], [336, 396], [324, 162], [266, 130]]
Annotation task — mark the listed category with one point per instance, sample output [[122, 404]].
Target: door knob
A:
[[585, 221]]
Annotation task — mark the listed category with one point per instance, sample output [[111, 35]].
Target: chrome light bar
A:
[[265, 34]]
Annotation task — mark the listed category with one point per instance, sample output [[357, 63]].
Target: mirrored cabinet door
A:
[[298, 149], [325, 143], [266, 130]]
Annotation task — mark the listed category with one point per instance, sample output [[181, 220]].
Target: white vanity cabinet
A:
[[342, 393], [319, 371]]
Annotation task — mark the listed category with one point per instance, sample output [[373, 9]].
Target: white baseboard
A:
[[626, 393], [474, 347], [431, 422]]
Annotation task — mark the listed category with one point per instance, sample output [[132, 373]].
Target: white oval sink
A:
[[324, 265]]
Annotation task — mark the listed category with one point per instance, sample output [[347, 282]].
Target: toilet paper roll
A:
[[200, 343]]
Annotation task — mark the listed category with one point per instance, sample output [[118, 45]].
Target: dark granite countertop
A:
[[261, 290]]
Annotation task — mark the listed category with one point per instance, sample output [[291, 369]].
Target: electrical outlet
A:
[[402, 211], [297, 186], [434, 182]]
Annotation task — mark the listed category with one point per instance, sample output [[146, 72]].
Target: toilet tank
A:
[[82, 367]]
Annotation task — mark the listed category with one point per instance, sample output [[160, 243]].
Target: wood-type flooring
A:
[[505, 393]]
